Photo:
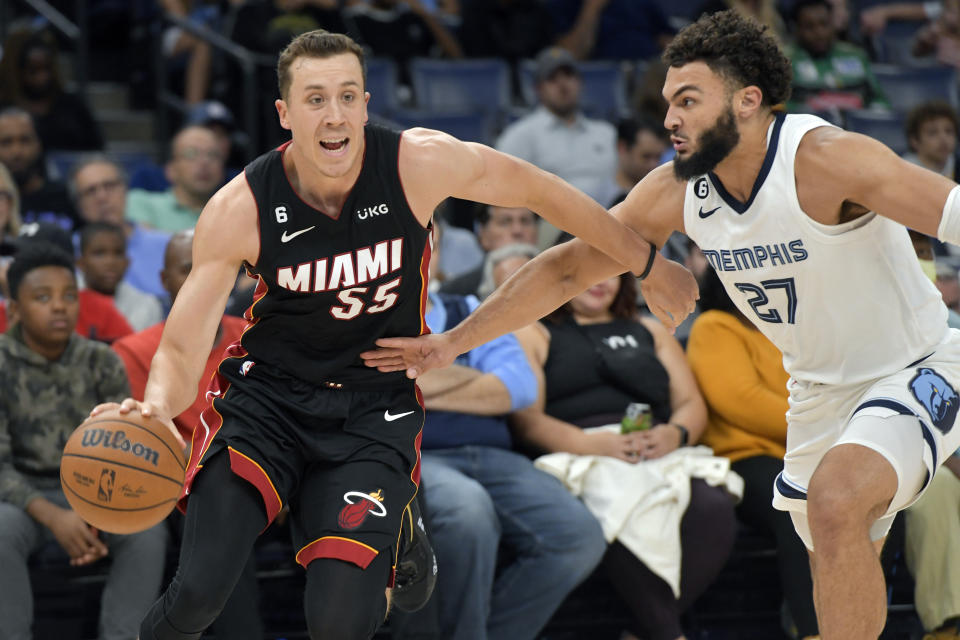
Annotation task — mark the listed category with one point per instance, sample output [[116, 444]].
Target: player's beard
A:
[[716, 143]]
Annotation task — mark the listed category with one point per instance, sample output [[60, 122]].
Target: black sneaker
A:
[[416, 572]]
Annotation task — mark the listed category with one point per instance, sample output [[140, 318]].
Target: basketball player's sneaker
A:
[[416, 565]]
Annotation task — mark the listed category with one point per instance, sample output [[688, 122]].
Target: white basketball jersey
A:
[[845, 303]]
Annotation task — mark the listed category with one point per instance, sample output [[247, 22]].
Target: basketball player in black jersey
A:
[[334, 225]]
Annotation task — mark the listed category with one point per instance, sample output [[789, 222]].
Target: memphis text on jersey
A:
[[754, 257]]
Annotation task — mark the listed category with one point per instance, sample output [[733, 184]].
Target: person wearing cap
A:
[[558, 138], [195, 171], [218, 118]]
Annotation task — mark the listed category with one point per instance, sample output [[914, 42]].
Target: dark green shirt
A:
[[841, 79], [42, 402]]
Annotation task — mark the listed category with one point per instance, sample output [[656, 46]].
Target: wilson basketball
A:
[[122, 473]]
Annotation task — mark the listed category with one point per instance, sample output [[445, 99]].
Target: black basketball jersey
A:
[[331, 283]]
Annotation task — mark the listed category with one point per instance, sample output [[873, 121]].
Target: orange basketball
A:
[[122, 473]]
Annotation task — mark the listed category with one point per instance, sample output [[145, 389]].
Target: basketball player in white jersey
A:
[[805, 224]]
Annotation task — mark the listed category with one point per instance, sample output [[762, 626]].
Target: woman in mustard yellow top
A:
[[741, 377]]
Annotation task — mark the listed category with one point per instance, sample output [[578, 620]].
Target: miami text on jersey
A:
[[343, 270], [755, 256]]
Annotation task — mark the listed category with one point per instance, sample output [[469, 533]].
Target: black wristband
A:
[[646, 269], [684, 434]]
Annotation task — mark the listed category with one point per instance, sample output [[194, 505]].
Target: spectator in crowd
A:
[[103, 263], [240, 619], [501, 263], [137, 349], [268, 26], [399, 30], [741, 376], [214, 116], [763, 11], [509, 29], [597, 356], [873, 20], [30, 79], [931, 130], [495, 227], [933, 552], [51, 378], [648, 102], [640, 145], [98, 318], [557, 137], [98, 186], [461, 252], [480, 496], [182, 46], [218, 118], [942, 272], [948, 283], [940, 38], [9, 218], [41, 199], [195, 171], [828, 74], [610, 29]]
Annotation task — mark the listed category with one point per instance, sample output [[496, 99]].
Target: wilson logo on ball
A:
[[359, 505], [117, 440]]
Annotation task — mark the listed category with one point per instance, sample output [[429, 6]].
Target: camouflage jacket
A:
[[42, 402]]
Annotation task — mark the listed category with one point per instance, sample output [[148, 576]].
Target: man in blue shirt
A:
[[479, 496]]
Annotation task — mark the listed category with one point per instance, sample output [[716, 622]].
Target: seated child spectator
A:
[[103, 262], [98, 318], [52, 378]]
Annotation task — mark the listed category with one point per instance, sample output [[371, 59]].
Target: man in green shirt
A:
[[195, 171], [828, 74]]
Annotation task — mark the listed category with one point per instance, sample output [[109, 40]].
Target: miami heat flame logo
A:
[[359, 505]]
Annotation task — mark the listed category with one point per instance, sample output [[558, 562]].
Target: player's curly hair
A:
[[738, 49]]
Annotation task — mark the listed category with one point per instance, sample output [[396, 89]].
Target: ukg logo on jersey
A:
[[375, 210]]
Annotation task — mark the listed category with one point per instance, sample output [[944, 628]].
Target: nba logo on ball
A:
[[105, 488], [360, 504]]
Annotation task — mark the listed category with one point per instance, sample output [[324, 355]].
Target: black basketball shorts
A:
[[347, 462]]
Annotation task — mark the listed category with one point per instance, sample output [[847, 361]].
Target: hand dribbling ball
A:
[[122, 473]]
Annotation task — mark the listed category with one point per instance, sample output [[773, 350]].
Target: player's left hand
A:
[[413, 355], [670, 291]]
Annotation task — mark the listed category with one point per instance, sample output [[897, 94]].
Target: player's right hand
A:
[[670, 291], [413, 355], [146, 409], [77, 538]]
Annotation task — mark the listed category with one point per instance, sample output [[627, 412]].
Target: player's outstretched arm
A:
[[226, 235], [552, 278], [434, 166], [835, 166]]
